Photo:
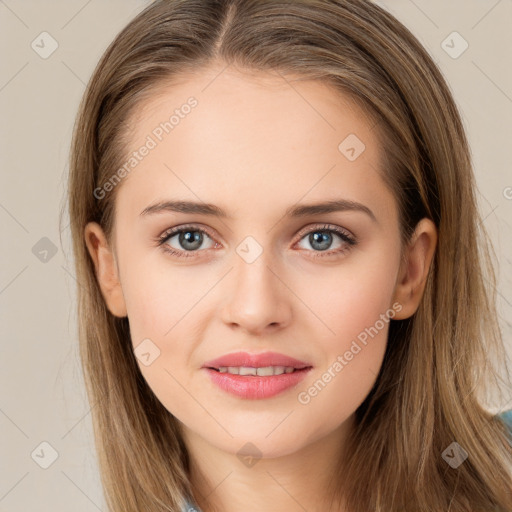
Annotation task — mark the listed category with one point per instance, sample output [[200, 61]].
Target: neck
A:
[[299, 481]]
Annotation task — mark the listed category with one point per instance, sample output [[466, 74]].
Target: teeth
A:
[[243, 370], [266, 371]]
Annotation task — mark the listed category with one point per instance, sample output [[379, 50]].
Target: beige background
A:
[[42, 397]]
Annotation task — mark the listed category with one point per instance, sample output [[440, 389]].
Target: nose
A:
[[258, 302]]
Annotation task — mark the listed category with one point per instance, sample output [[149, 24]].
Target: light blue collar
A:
[[189, 506]]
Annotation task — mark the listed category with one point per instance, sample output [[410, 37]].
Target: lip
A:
[[256, 360], [253, 386]]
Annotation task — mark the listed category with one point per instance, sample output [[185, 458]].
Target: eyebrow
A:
[[301, 210]]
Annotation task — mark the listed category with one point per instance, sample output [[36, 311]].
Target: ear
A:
[[413, 272], [107, 272]]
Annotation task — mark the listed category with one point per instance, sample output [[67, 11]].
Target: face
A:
[[268, 275]]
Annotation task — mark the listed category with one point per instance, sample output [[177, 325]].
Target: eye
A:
[[321, 239], [189, 239]]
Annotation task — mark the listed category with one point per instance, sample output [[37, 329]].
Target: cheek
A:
[[351, 361], [355, 309], [159, 296], [160, 309], [165, 307], [350, 298]]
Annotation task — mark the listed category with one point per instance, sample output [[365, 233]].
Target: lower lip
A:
[[254, 387]]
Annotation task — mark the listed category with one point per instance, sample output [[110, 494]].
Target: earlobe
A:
[[106, 269], [413, 273]]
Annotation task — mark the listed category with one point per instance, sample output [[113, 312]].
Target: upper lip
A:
[[255, 360]]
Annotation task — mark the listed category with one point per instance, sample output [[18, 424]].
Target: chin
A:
[[259, 447], [260, 441]]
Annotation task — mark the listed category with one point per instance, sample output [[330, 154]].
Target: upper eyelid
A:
[[326, 227], [191, 227]]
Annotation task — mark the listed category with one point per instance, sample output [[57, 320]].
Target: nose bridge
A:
[[257, 300], [252, 272]]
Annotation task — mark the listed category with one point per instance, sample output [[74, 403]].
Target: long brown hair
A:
[[439, 363]]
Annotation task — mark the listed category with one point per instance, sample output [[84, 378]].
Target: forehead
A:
[[250, 140]]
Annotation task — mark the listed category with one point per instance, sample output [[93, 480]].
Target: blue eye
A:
[[191, 238], [321, 240]]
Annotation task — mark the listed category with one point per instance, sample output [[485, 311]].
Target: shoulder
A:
[[506, 417]]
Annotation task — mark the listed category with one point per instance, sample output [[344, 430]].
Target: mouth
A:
[[256, 376], [264, 371]]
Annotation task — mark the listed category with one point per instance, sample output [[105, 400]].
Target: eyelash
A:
[[348, 239]]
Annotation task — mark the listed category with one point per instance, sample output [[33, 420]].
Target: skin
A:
[[254, 146]]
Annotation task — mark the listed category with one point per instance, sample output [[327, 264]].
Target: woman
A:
[[282, 307]]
